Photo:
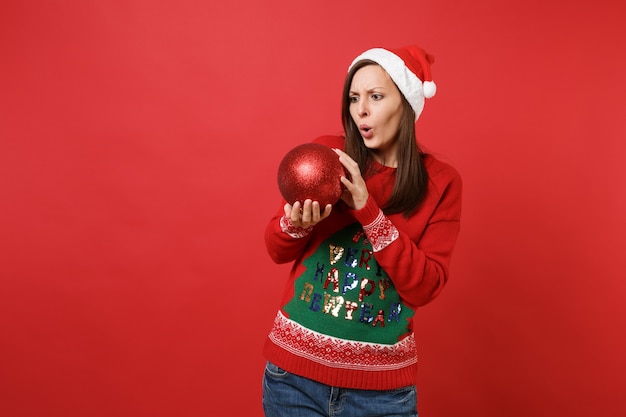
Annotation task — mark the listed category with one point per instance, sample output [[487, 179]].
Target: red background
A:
[[139, 147]]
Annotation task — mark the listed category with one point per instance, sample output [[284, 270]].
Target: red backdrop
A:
[[139, 146]]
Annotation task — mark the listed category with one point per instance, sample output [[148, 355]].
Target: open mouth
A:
[[366, 131]]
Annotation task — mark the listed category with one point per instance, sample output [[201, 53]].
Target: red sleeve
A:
[[419, 269], [284, 244]]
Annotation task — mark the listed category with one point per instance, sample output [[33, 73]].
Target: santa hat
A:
[[409, 68]]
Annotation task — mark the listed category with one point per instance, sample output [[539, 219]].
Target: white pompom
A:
[[429, 88]]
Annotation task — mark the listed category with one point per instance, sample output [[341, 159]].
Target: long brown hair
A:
[[411, 177]]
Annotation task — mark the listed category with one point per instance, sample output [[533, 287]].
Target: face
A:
[[376, 108]]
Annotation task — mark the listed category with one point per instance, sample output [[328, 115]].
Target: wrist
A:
[[368, 213], [295, 232]]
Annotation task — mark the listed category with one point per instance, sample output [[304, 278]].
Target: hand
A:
[[356, 193], [306, 215]]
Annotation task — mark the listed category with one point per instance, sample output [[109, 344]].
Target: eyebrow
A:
[[370, 90]]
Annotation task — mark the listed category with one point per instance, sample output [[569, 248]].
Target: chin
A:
[[371, 144]]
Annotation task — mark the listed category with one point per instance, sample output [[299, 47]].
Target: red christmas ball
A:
[[311, 171]]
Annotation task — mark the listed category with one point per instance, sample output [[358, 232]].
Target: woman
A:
[[342, 343]]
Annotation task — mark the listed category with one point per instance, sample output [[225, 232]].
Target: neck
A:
[[385, 160]]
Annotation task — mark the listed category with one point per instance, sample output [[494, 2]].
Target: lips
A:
[[366, 131]]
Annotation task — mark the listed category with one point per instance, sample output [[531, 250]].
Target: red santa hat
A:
[[409, 68]]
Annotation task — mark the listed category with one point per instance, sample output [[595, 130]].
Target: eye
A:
[[377, 96], [353, 99]]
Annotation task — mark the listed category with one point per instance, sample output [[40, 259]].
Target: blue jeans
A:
[[289, 395]]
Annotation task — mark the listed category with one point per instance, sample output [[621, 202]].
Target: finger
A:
[[327, 210], [349, 186], [296, 211], [353, 172], [345, 159], [306, 212], [315, 211], [287, 208], [341, 153]]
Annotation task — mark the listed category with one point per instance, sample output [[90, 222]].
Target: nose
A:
[[362, 109]]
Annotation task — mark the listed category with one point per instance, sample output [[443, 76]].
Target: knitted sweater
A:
[[357, 279]]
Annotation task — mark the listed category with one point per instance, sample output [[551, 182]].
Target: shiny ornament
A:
[[311, 171]]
